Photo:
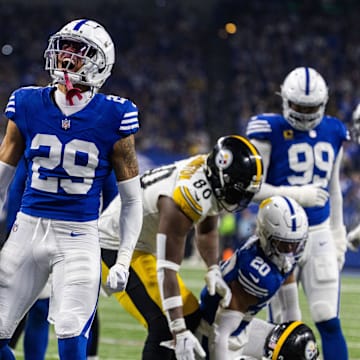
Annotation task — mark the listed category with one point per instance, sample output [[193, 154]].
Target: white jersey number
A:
[[303, 158], [260, 265], [68, 163]]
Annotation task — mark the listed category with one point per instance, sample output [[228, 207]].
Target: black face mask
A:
[[232, 199]]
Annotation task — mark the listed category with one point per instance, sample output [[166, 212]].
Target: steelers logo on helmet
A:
[[310, 350], [224, 159]]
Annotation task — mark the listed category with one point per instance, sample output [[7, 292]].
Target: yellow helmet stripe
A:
[[283, 338], [256, 154]]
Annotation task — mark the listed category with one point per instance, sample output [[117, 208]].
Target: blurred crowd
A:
[[191, 79]]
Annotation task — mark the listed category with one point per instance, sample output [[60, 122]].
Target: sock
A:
[[72, 348], [37, 331], [5, 351], [333, 341]]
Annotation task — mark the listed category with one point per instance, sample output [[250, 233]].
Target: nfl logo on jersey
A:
[[65, 124]]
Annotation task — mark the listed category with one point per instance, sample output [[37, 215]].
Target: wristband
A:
[[177, 325]]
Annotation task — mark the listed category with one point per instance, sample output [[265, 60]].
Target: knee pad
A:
[[67, 325], [322, 311]]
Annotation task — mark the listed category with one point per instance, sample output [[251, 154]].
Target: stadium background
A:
[[191, 77]]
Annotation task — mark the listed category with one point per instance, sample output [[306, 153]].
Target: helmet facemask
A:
[[231, 195], [283, 253], [303, 120]]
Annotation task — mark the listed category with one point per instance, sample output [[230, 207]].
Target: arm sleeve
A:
[[226, 322], [289, 299], [6, 175], [336, 200], [131, 218]]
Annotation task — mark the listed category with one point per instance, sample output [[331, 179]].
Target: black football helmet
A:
[[234, 169], [291, 341]]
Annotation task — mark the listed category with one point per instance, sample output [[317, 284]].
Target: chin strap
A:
[[71, 91]]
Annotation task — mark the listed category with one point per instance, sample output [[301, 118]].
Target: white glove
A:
[[353, 239], [187, 345], [216, 284], [117, 278], [306, 195], [339, 236]]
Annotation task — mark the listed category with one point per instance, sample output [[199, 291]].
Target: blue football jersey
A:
[[300, 157], [68, 157], [256, 274]]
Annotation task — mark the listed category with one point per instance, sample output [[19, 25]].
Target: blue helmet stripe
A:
[[292, 213], [80, 24], [307, 79]]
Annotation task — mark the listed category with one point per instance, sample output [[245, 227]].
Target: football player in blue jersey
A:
[[254, 273], [302, 151], [72, 137]]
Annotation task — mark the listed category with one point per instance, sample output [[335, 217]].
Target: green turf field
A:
[[122, 337]]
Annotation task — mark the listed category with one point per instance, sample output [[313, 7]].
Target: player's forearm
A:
[[131, 217], [6, 175], [336, 199], [268, 190], [208, 246]]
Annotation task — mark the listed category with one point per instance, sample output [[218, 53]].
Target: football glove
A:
[[186, 346], [117, 278], [353, 239], [216, 284]]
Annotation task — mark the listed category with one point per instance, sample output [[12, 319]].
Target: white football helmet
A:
[[305, 94], [95, 48], [282, 228]]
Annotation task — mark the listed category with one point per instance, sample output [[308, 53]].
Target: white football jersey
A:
[[184, 181]]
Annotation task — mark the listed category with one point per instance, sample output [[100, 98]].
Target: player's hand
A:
[[353, 239], [216, 284], [187, 345], [117, 278]]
